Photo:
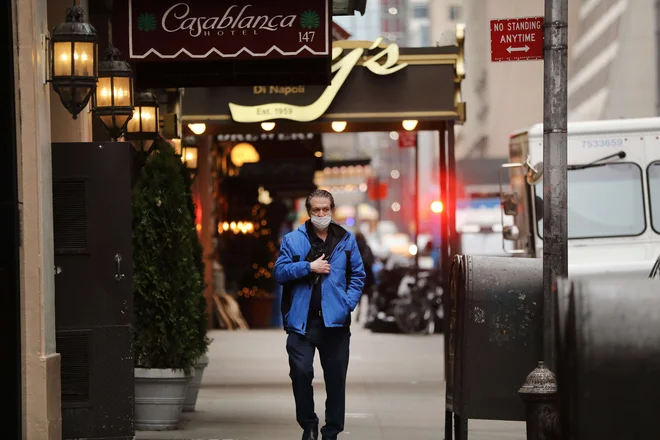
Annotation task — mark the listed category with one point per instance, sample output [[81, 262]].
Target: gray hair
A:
[[319, 193]]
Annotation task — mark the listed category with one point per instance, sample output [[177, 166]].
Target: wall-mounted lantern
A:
[[73, 61], [113, 100], [143, 128], [189, 156]]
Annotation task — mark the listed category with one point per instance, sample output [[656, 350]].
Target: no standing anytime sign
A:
[[516, 39]]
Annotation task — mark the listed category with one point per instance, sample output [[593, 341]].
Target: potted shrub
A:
[[202, 318], [166, 282], [201, 363]]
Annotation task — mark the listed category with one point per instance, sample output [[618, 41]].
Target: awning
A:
[[375, 87]]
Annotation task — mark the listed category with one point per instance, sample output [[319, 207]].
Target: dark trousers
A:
[[333, 346]]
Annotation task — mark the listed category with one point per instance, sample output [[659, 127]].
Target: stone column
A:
[[40, 364]]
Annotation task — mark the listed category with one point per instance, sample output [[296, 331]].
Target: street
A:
[[395, 391]]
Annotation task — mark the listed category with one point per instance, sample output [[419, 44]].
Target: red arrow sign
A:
[[516, 39]]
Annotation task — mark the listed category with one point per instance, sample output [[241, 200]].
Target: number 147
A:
[[306, 36]]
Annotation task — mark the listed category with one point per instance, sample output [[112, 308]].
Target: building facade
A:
[[613, 71], [613, 68], [364, 27], [419, 24], [503, 97], [444, 15]]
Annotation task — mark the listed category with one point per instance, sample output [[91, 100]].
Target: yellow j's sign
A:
[[311, 112]]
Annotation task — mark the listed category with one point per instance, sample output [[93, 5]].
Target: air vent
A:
[[69, 216], [73, 348]]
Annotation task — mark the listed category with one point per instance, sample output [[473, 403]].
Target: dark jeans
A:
[[333, 345]]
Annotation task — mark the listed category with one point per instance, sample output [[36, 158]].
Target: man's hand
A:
[[320, 265]]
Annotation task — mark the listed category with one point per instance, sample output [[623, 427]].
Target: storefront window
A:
[[605, 201], [654, 194]]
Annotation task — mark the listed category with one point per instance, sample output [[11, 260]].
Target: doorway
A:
[[10, 298]]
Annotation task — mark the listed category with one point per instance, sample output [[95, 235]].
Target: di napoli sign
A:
[[385, 62], [516, 39], [372, 81], [170, 30]]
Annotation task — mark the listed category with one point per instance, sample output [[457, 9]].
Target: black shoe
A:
[[311, 434]]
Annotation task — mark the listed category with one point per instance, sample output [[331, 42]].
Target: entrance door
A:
[[93, 287], [10, 296]]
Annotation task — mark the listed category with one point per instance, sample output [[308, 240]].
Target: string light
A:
[[236, 227]]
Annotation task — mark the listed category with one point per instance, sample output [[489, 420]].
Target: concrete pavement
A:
[[395, 391]]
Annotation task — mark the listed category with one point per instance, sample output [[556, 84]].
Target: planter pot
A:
[[257, 311], [196, 381], [159, 397]]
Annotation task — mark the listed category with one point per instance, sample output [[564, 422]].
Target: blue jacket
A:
[[338, 300]]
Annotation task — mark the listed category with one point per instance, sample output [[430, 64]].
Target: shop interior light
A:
[[267, 126], [338, 126], [243, 153], [409, 125], [197, 128], [437, 207], [236, 227]]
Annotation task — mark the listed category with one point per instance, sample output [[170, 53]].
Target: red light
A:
[[437, 207]]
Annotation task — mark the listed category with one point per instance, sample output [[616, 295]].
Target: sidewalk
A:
[[395, 391]]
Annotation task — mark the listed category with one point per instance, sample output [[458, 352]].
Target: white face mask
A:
[[321, 222]]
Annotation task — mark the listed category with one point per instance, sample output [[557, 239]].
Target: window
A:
[[455, 12], [420, 11], [603, 201], [425, 39], [654, 194]]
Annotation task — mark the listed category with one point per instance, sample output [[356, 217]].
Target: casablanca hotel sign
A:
[[159, 30]]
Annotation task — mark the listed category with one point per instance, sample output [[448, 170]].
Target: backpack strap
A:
[[349, 272], [287, 298], [349, 268]]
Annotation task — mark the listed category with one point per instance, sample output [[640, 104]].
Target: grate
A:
[[69, 216], [73, 348]]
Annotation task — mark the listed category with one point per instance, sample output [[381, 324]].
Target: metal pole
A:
[[555, 191], [445, 261], [540, 389], [204, 180], [417, 210], [450, 198]]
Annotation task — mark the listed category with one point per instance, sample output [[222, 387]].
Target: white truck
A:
[[613, 196]]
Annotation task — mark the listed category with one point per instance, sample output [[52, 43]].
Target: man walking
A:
[[322, 275]]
